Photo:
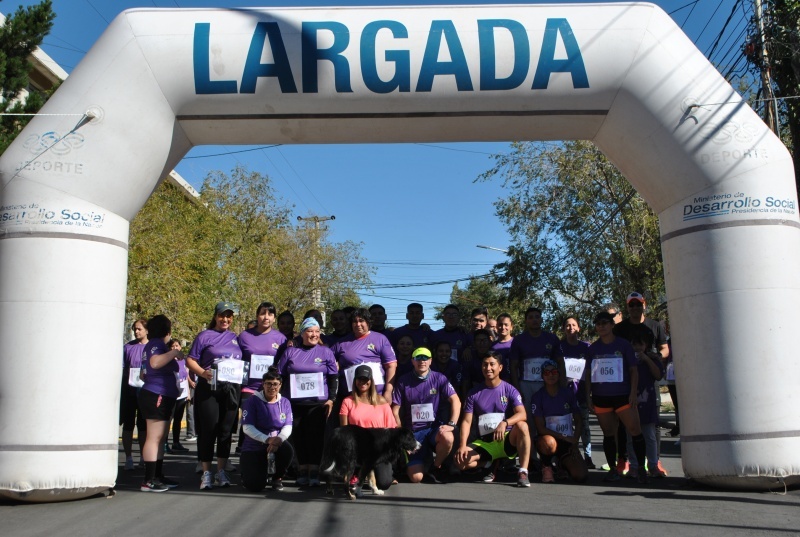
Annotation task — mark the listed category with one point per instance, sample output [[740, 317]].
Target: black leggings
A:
[[214, 414], [177, 418], [308, 433], [253, 466]]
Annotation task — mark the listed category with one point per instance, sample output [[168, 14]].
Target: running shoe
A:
[[170, 483], [633, 473], [612, 475], [675, 431], [523, 480], [303, 481], [277, 483], [190, 438], [642, 478], [589, 464], [547, 475], [437, 476], [205, 481], [622, 466], [198, 468], [167, 449], [229, 467], [313, 480], [489, 477], [238, 450], [658, 471], [129, 464], [154, 485], [178, 448], [221, 479]]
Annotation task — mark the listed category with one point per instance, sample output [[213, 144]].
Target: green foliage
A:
[[237, 245], [488, 293], [581, 236], [22, 32]]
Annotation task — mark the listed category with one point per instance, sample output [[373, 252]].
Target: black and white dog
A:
[[351, 446]]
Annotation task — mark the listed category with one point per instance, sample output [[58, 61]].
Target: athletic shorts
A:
[[156, 407], [491, 450], [427, 439], [603, 404]]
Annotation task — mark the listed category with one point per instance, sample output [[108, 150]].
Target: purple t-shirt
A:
[[452, 370], [299, 360], [164, 380], [403, 368], [351, 352], [330, 340], [545, 405], [132, 354], [264, 346], [458, 340], [500, 399], [576, 352], [211, 346], [419, 336], [546, 346], [504, 348], [646, 392], [421, 400], [268, 418], [617, 353]]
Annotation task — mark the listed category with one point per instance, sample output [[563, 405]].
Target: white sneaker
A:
[[229, 467], [205, 481], [129, 464], [221, 479]]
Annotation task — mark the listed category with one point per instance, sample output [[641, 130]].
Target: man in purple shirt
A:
[[496, 413], [452, 333], [418, 403], [419, 333]]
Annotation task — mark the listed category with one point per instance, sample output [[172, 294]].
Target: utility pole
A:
[[317, 276], [770, 103]]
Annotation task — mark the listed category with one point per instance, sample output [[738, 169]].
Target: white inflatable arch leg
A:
[[161, 81]]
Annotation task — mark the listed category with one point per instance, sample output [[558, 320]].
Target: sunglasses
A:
[[549, 372]]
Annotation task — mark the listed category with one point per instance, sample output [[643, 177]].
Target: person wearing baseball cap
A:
[[425, 402], [637, 322]]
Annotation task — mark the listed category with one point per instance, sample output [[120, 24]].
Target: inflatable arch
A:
[[160, 81]]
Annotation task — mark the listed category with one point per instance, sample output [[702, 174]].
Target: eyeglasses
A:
[[272, 384], [549, 372]]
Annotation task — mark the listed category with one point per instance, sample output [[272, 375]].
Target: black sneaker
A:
[[436, 476], [168, 482], [277, 483], [153, 485], [589, 464], [178, 448]]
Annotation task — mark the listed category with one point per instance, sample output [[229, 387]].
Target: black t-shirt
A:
[[626, 330]]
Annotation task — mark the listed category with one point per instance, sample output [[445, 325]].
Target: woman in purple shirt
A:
[[216, 351], [131, 382], [157, 400], [310, 381]]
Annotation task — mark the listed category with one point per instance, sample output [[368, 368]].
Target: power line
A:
[[96, 11], [234, 152]]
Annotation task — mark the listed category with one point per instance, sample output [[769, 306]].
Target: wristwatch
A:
[[451, 424]]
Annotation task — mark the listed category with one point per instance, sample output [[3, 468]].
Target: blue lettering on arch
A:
[[254, 69], [431, 66], [521, 54], [548, 64], [401, 59], [312, 54], [203, 85]]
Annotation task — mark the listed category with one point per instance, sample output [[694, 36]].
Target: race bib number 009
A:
[[560, 424]]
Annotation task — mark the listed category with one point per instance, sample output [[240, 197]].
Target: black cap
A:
[[363, 372], [603, 316]]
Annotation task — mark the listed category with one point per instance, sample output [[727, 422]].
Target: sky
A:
[[420, 218]]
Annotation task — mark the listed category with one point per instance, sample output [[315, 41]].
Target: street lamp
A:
[[491, 248]]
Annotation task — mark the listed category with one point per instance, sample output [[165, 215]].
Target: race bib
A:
[[230, 371], [259, 363], [671, 371], [377, 374], [184, 386], [454, 354], [560, 424], [532, 369], [575, 367], [422, 413], [607, 369], [306, 385], [135, 377], [487, 423]]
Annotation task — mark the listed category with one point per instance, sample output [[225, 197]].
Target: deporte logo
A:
[[739, 202], [52, 142]]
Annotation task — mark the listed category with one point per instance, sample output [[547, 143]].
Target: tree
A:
[[488, 293], [781, 22], [581, 236], [236, 243], [22, 32]]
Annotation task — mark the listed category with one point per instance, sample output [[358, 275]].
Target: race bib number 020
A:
[[422, 413]]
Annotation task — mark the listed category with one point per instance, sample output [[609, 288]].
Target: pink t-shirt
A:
[[366, 415]]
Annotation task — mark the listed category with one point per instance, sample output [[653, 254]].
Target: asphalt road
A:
[[669, 506]]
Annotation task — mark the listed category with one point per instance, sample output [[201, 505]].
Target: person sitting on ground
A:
[[559, 424]]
